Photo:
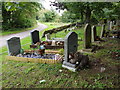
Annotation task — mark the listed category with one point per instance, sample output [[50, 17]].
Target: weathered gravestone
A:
[[14, 46], [108, 25], [87, 36], [47, 36], [35, 36], [111, 25], [94, 33], [70, 46], [102, 31]]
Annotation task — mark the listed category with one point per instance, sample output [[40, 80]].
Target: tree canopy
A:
[[89, 10], [19, 14]]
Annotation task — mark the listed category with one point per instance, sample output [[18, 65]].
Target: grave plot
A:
[[39, 55]]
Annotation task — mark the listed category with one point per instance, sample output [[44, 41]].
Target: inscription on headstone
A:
[[94, 33], [70, 44], [35, 36], [87, 36], [13, 46]]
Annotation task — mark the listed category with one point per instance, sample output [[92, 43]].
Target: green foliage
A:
[[47, 15], [19, 14], [69, 17]]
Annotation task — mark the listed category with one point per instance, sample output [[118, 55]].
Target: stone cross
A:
[[102, 31], [94, 33], [70, 44], [35, 36], [87, 36], [14, 46], [47, 36]]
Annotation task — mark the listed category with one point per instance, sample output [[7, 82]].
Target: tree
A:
[[84, 9], [19, 14]]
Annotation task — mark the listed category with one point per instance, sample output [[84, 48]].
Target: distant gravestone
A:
[[87, 36], [102, 31], [70, 44], [35, 36], [108, 25], [94, 33], [47, 36], [111, 25], [13, 46]]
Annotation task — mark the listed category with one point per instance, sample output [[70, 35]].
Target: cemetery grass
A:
[[28, 75], [16, 30]]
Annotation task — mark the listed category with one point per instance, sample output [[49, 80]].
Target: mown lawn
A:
[[28, 75]]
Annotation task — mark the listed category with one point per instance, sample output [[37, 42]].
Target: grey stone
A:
[[35, 36], [111, 25], [14, 46], [47, 36], [94, 33], [102, 31], [70, 44], [87, 36]]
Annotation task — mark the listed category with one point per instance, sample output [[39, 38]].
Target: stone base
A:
[[71, 67]]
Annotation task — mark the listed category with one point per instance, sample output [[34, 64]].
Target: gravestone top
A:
[[14, 46], [70, 44], [35, 36]]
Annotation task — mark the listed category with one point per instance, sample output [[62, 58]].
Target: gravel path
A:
[[21, 35]]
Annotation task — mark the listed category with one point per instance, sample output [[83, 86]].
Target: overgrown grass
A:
[[28, 75]]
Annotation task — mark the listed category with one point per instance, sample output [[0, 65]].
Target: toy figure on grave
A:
[[21, 51], [41, 50]]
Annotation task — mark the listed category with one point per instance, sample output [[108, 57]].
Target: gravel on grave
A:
[[45, 56]]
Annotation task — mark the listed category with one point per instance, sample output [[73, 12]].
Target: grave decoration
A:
[[73, 60], [38, 53]]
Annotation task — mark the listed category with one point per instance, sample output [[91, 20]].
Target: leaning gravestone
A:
[[102, 31], [87, 36], [70, 46], [94, 33], [35, 36], [13, 46]]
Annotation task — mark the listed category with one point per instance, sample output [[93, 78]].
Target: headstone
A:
[[47, 36], [111, 25], [118, 24], [87, 36], [70, 44], [108, 25], [94, 33], [13, 46], [35, 36], [102, 31]]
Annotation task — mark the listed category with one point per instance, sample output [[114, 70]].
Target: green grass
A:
[[16, 30], [16, 74]]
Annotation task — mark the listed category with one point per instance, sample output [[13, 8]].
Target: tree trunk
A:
[[88, 15]]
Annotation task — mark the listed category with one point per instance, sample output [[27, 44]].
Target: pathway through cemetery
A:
[[21, 35]]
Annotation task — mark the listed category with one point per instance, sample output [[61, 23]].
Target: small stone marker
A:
[[35, 36], [94, 33], [102, 31], [70, 46], [87, 36], [13, 46], [111, 24], [47, 36]]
